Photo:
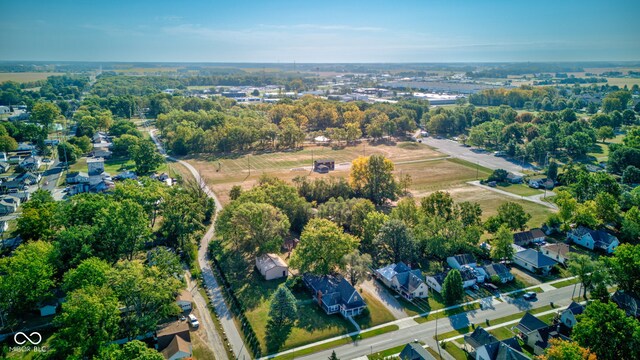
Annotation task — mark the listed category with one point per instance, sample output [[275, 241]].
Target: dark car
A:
[[530, 295]]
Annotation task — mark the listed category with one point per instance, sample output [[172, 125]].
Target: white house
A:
[[593, 239], [399, 277], [184, 300], [558, 252], [568, 315], [9, 204], [500, 270], [436, 281], [271, 266], [534, 261]]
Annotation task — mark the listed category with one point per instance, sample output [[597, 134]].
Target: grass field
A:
[[520, 189], [22, 77], [377, 314], [567, 282]]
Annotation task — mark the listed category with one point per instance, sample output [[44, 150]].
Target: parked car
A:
[[530, 295], [500, 154], [193, 321]]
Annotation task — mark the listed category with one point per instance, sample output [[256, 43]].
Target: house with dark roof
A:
[[627, 302], [593, 239], [458, 261], [406, 282], [533, 261], [77, 177], [271, 266], [334, 294], [568, 316], [4, 167], [436, 281], [497, 269], [536, 333], [31, 163], [558, 252], [508, 349], [414, 351], [478, 338], [525, 238]]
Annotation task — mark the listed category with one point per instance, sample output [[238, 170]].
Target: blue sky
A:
[[320, 31]]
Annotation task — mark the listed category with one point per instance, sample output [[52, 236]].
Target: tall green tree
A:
[[322, 246], [586, 270], [395, 242], [132, 350], [91, 314], [283, 310], [257, 228], [45, 113], [513, 215], [452, 290], [439, 203], [122, 228], [625, 267], [146, 157], [372, 177], [91, 272], [608, 332], [501, 246], [356, 266]]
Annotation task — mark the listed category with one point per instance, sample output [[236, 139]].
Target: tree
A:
[[631, 175], [498, 175], [27, 276], [39, 221], [356, 266], [122, 145], [235, 192], [91, 314], [372, 178], [132, 350], [334, 356], [7, 143], [83, 143], [146, 157], [407, 211], [513, 215], [566, 350], [283, 309], [605, 132], [608, 332], [438, 204], [631, 225], [45, 113], [68, 152], [371, 227], [583, 267], [452, 290], [257, 228], [501, 246], [122, 228], [552, 171], [625, 268], [322, 246], [395, 242], [90, 272], [470, 213], [181, 219], [567, 206], [607, 208]]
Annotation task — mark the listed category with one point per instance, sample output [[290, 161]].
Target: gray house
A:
[[499, 270], [593, 239], [414, 351], [534, 261], [406, 282], [334, 294]]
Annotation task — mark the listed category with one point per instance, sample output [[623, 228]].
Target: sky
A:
[[272, 31]]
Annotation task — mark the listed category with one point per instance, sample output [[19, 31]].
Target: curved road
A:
[[213, 290]]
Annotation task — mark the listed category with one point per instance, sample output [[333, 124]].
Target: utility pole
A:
[[438, 341], [248, 165]]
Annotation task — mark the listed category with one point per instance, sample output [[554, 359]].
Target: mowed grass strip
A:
[[337, 342], [447, 313], [564, 283]]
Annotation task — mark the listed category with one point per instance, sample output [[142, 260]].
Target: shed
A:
[[184, 300], [324, 166], [271, 266]]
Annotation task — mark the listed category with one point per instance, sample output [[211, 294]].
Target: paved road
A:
[[213, 290], [485, 159], [426, 331], [206, 322]]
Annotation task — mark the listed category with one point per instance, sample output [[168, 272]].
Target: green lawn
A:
[[520, 189], [502, 333], [564, 283], [377, 313], [455, 351]]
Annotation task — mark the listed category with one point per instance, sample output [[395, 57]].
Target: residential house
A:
[[31, 163], [48, 308], [415, 351], [23, 196], [536, 333], [593, 239], [500, 270], [11, 186], [4, 167], [514, 179], [24, 146], [558, 252], [29, 178], [334, 294], [184, 300], [9, 204], [457, 261], [478, 338], [508, 349], [406, 282], [4, 226], [627, 302], [568, 316], [534, 261], [271, 266], [3, 156], [324, 166], [103, 153], [126, 175], [14, 159], [77, 177], [173, 340], [525, 238], [4, 109], [436, 281]]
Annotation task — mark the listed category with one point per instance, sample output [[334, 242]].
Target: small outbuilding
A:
[[184, 300], [271, 266], [324, 166]]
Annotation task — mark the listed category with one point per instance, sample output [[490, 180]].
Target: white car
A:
[[193, 321]]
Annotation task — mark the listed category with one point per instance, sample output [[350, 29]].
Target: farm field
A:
[[22, 77]]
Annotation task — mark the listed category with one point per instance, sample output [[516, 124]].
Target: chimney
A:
[[319, 297]]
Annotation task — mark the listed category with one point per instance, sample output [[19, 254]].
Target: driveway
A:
[[476, 156], [385, 297]]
